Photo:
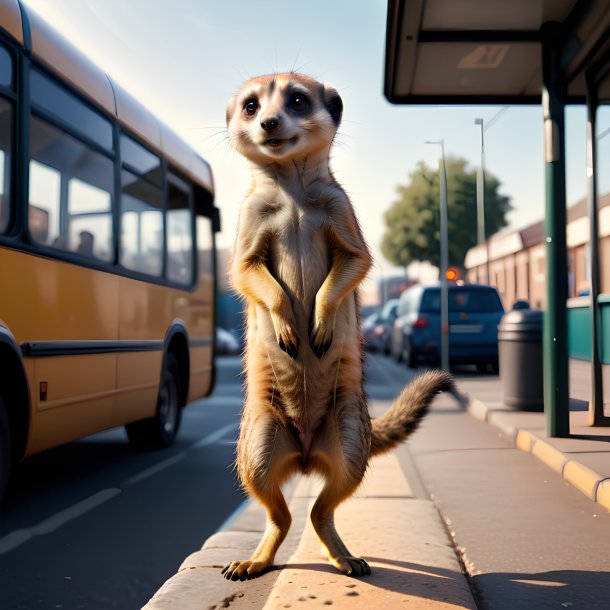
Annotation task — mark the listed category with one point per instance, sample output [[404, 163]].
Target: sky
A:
[[184, 60]]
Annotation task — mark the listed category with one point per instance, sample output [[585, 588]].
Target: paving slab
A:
[[403, 538]]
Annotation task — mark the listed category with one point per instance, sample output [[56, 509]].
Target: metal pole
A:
[[555, 346], [444, 266], [596, 406], [444, 258], [481, 203]]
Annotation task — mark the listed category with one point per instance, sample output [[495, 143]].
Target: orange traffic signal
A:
[[452, 274]]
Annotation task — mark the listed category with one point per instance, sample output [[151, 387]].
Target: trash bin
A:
[[520, 357]]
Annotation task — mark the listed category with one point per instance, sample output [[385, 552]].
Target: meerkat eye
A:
[[298, 102], [250, 107]]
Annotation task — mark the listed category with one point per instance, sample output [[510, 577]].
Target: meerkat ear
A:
[[333, 103], [230, 109]]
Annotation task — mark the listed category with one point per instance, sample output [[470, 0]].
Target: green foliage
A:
[[413, 231]]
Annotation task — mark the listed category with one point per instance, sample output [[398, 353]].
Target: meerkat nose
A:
[[270, 124]]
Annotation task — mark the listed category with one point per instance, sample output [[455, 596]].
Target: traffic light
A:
[[452, 274]]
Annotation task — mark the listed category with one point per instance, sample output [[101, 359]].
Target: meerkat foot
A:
[[351, 566], [245, 570]]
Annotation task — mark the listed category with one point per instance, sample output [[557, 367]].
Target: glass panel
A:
[[462, 300], [6, 68], [603, 194], [90, 215], [67, 107], [179, 236], [6, 123], [141, 160], [141, 225], [205, 248], [70, 204]]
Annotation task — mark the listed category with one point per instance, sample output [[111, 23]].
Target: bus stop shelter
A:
[[549, 52]]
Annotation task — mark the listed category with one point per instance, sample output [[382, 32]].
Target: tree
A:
[[413, 231]]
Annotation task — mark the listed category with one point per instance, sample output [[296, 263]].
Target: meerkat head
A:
[[283, 117]]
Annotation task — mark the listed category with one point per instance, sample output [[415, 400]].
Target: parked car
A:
[[226, 343], [369, 330], [377, 328], [474, 315]]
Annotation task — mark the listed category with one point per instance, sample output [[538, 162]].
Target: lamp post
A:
[[444, 259], [481, 202]]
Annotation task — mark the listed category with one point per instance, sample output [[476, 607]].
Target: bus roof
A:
[[52, 50]]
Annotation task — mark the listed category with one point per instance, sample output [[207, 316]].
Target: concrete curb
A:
[[595, 486], [403, 538]]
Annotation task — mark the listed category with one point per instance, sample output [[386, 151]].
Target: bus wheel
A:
[[6, 451], [160, 431]]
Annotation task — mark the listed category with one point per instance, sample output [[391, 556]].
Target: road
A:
[[95, 524]]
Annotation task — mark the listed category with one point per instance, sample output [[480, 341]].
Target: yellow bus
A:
[[107, 256]]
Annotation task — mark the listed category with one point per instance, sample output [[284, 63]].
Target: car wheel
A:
[[160, 431], [410, 357], [6, 449], [481, 367], [397, 354]]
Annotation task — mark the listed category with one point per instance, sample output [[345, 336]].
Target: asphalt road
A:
[[95, 524]]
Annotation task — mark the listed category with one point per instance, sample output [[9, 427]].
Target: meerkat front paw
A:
[[321, 336], [286, 335]]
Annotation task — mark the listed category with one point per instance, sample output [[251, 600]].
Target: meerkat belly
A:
[[301, 263]]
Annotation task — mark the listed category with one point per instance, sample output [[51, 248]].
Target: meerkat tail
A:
[[407, 411]]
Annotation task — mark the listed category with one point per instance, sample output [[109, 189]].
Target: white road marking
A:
[[214, 437], [18, 537], [152, 470]]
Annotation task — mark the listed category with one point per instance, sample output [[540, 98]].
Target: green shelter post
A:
[[555, 340]]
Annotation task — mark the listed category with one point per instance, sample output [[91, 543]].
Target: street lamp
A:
[[481, 201], [444, 262]]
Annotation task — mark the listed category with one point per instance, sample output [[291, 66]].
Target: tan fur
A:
[[299, 258]]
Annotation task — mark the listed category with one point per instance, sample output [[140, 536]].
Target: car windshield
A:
[[462, 300], [389, 309]]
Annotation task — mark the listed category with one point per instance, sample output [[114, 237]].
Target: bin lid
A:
[[521, 324]]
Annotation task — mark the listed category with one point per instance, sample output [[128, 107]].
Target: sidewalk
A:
[[417, 567], [583, 459], [415, 564]]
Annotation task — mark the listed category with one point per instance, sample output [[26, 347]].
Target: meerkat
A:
[[299, 258]]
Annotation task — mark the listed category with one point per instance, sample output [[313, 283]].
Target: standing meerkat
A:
[[298, 260]]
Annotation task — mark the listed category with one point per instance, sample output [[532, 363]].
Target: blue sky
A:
[[185, 58]]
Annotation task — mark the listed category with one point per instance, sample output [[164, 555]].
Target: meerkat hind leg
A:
[[322, 517], [343, 476], [264, 464], [278, 524]]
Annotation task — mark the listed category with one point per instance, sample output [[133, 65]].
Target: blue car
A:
[[474, 315]]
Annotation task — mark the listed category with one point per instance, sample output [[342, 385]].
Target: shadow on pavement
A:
[[556, 589]]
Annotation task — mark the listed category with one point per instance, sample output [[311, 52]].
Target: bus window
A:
[[6, 68], [6, 121], [205, 248], [179, 235], [90, 213], [141, 225], [141, 160], [55, 99], [70, 193]]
